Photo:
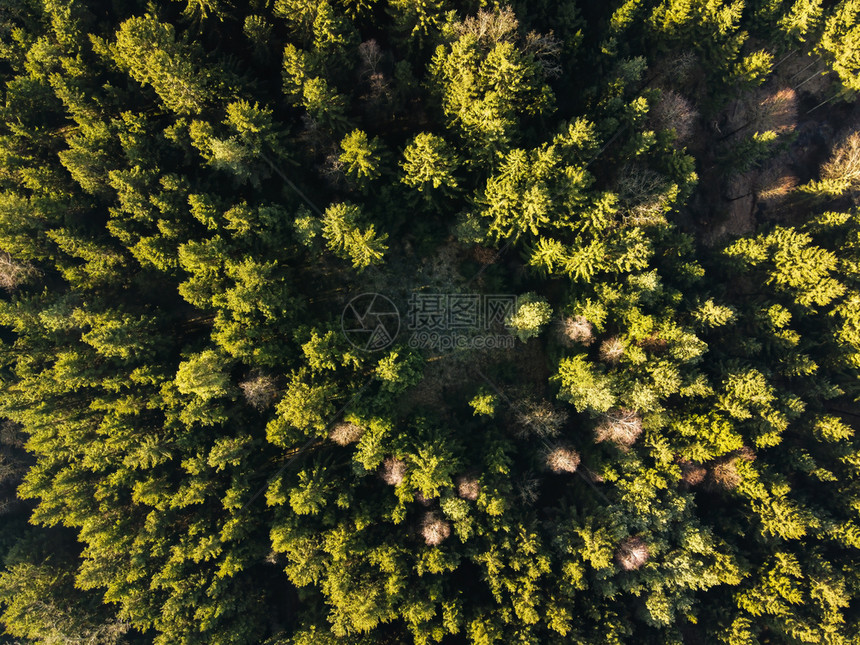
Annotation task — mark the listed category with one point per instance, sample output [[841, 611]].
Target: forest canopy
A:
[[437, 321]]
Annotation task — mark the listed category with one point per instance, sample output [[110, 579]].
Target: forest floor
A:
[[794, 105]]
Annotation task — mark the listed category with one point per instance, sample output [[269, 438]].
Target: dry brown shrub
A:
[[611, 349], [345, 433], [392, 471], [621, 427], [468, 487], [562, 459], [259, 391], [434, 529], [632, 554], [574, 329]]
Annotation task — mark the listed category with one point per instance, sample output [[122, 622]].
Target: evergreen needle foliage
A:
[[222, 225]]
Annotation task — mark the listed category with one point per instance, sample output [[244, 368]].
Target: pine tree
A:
[[840, 42], [345, 238], [361, 158], [152, 55], [485, 86], [429, 166], [841, 173], [532, 314], [584, 386]]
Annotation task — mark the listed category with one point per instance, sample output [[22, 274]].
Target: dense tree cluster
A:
[[193, 451]]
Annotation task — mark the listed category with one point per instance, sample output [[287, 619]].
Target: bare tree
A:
[[621, 427], [13, 273], [13, 464], [259, 391], [562, 459], [434, 529], [612, 349], [746, 453], [345, 433], [632, 554], [574, 329], [692, 473], [371, 71], [644, 195], [424, 501], [539, 418], [762, 110], [332, 168], [595, 477], [392, 471], [778, 111], [673, 111], [9, 468], [528, 488], [546, 49], [371, 56], [841, 173], [724, 475], [11, 434], [676, 70], [683, 65], [490, 27], [774, 184], [468, 487]]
